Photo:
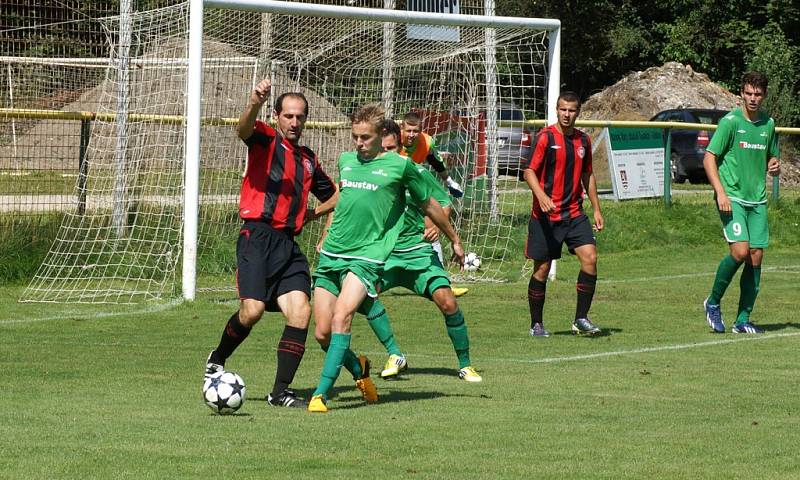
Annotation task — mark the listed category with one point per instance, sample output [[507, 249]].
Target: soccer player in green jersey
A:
[[415, 265], [366, 223], [741, 152]]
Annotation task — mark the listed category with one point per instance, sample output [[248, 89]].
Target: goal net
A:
[[477, 89]]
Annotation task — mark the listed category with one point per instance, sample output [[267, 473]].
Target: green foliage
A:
[[602, 41], [774, 55]]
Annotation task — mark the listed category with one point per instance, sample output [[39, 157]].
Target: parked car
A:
[[689, 146], [513, 141]]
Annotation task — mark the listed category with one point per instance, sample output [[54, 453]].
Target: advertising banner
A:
[[636, 162]]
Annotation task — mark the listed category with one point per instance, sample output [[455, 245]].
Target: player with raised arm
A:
[[421, 147], [365, 227], [559, 173], [272, 273], [414, 265], [742, 151]]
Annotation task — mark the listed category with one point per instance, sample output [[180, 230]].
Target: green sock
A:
[[379, 323], [749, 284], [350, 362], [457, 330], [340, 343], [725, 272]]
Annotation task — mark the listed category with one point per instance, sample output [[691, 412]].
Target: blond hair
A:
[[371, 113]]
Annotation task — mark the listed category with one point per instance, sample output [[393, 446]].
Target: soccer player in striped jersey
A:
[[415, 265], [365, 227], [742, 150], [559, 173], [272, 273]]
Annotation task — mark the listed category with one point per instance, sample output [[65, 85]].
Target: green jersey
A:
[[414, 218], [742, 149], [368, 216]]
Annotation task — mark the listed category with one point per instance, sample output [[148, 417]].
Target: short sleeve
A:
[[416, 185], [722, 138], [586, 143], [774, 148], [437, 191], [537, 156], [321, 185], [262, 134]]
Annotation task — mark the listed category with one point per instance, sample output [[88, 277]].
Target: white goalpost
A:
[[478, 81]]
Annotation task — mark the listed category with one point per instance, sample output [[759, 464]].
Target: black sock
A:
[[585, 289], [536, 294], [291, 348], [233, 335]]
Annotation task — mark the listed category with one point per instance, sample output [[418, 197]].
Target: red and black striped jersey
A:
[[559, 162], [278, 179]]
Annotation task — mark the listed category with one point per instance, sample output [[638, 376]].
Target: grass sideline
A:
[[103, 391]]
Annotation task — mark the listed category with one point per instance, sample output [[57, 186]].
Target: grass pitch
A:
[[107, 392]]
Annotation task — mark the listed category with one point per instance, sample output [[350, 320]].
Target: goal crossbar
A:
[[376, 15]]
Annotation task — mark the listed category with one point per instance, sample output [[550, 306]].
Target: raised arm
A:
[[247, 120]]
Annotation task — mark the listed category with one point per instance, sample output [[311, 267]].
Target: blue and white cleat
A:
[[539, 331], [714, 317], [747, 327], [584, 326]]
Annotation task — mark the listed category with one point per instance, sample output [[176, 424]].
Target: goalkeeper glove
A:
[[454, 187]]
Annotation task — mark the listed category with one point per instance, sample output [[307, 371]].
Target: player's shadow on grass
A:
[[773, 327], [604, 332], [445, 372], [396, 396]]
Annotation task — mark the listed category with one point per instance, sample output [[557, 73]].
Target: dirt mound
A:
[[641, 95]]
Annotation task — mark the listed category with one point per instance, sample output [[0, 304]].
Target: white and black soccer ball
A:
[[472, 262], [224, 392]]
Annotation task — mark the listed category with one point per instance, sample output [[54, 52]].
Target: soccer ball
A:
[[472, 262], [224, 392]]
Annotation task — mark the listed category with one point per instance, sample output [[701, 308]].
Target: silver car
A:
[[513, 141]]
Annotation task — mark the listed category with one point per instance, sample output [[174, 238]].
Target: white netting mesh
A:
[[124, 245]]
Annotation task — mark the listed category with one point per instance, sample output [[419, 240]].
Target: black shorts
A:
[[545, 237], [269, 264]]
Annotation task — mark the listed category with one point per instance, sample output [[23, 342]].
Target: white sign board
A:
[[433, 32], [636, 162]]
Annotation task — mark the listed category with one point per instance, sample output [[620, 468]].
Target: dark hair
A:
[[569, 96], [412, 118], [279, 101], [390, 127], [755, 80]]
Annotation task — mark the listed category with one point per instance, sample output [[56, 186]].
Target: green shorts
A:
[[746, 223], [417, 270], [331, 271]]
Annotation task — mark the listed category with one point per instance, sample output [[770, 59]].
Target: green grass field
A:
[[107, 392], [114, 392]]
